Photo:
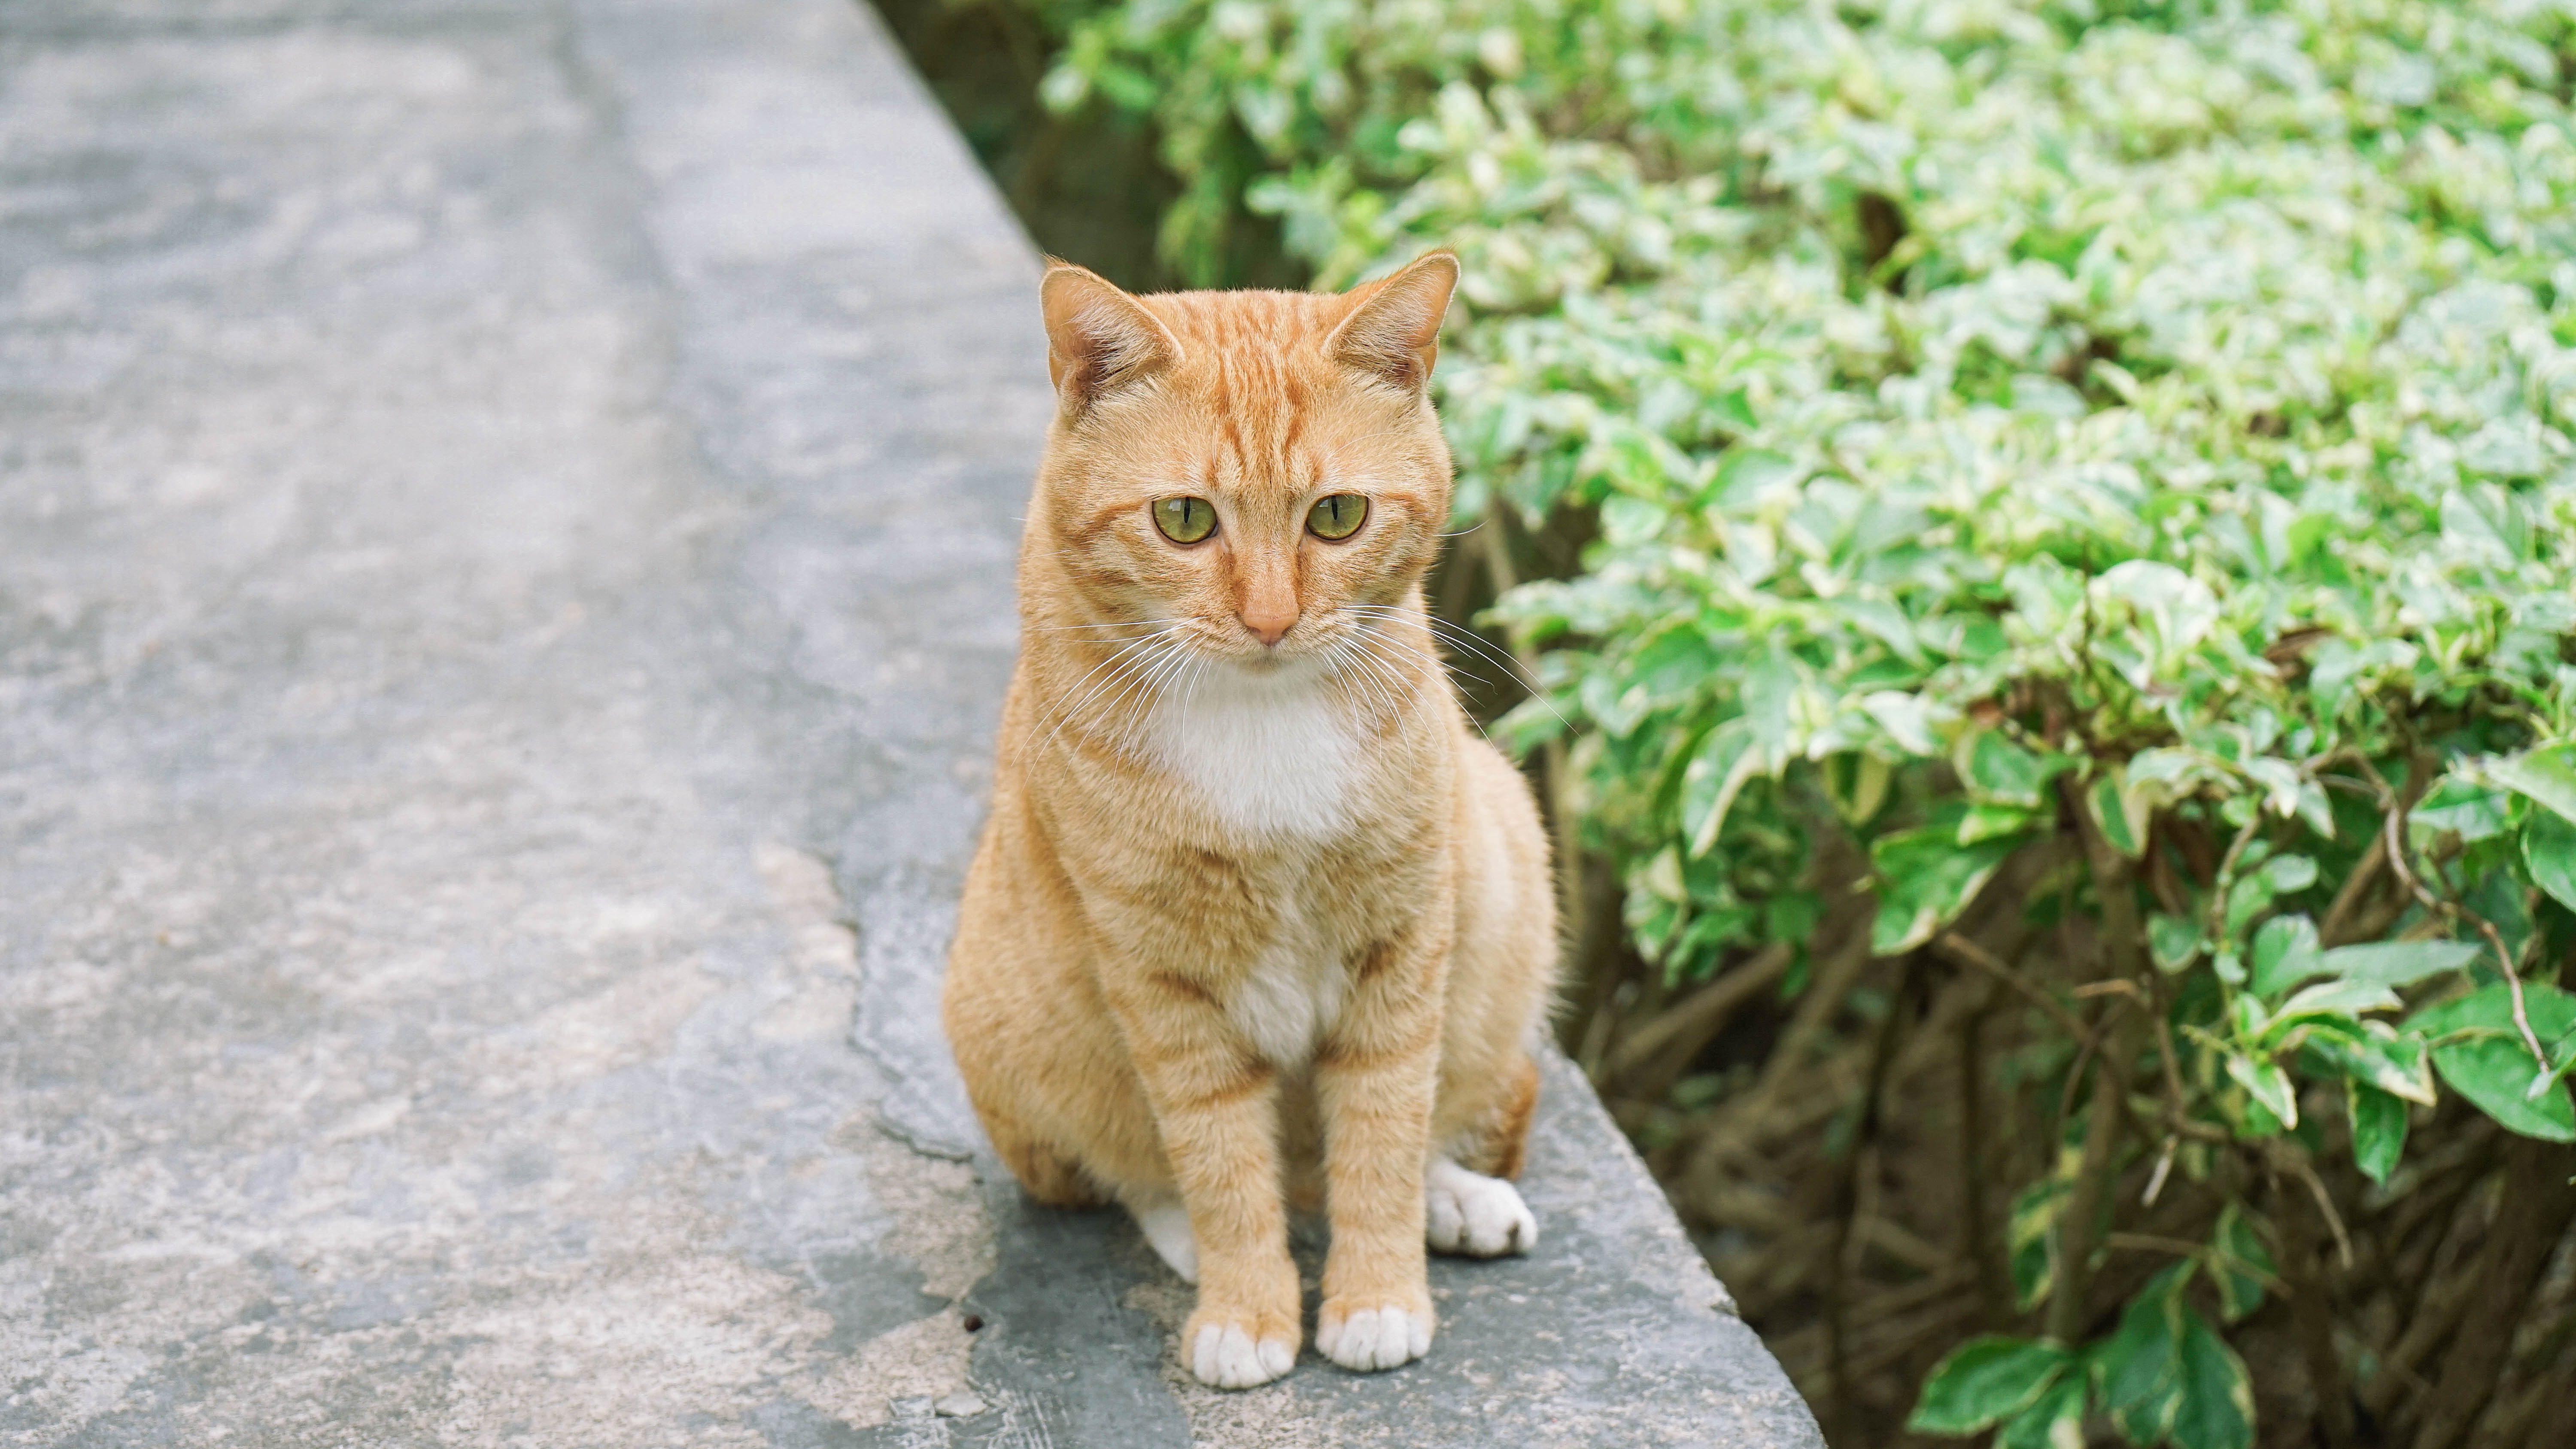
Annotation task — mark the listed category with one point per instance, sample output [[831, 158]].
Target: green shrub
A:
[[2096, 477]]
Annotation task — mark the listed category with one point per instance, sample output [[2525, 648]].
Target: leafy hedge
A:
[[2096, 477]]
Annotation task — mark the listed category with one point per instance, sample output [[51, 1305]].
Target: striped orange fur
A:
[[1257, 917]]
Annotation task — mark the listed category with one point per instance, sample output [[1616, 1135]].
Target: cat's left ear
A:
[[1392, 331]]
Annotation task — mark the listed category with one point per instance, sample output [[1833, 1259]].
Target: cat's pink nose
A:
[[1269, 621]]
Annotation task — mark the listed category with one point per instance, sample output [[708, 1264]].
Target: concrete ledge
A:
[[506, 525], [1613, 1333]]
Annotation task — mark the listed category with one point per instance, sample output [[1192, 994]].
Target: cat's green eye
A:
[[1337, 516], [1184, 520]]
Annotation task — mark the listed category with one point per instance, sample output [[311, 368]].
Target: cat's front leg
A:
[[1216, 1107], [1374, 1080]]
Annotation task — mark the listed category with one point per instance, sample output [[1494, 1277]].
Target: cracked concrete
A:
[[506, 520]]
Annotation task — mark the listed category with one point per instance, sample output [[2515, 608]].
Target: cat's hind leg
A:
[[1468, 1206], [1474, 1215], [1047, 1174], [1050, 1177], [1500, 1139]]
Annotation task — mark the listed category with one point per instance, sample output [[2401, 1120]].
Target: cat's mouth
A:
[[1268, 661], [1301, 651], [1331, 641], [1313, 644]]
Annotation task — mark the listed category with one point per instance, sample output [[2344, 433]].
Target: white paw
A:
[[1167, 1228], [1228, 1358], [1369, 1339], [1468, 1212]]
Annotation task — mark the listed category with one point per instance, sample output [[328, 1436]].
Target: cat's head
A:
[[1254, 472]]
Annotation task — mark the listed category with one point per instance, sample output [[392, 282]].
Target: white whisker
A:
[[1127, 654], [1113, 624], [1130, 707], [1468, 639], [1347, 650], [1437, 662], [1391, 688]]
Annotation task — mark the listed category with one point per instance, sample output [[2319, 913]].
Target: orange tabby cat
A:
[[1257, 917]]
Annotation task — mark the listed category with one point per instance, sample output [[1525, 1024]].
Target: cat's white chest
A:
[[1269, 754], [1293, 994], [1271, 757]]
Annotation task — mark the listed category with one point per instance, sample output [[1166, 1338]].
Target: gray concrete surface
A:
[[506, 515]]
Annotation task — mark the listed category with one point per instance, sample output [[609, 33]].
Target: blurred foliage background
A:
[[2031, 548]]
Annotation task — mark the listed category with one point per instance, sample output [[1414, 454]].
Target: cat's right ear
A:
[[1099, 339]]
